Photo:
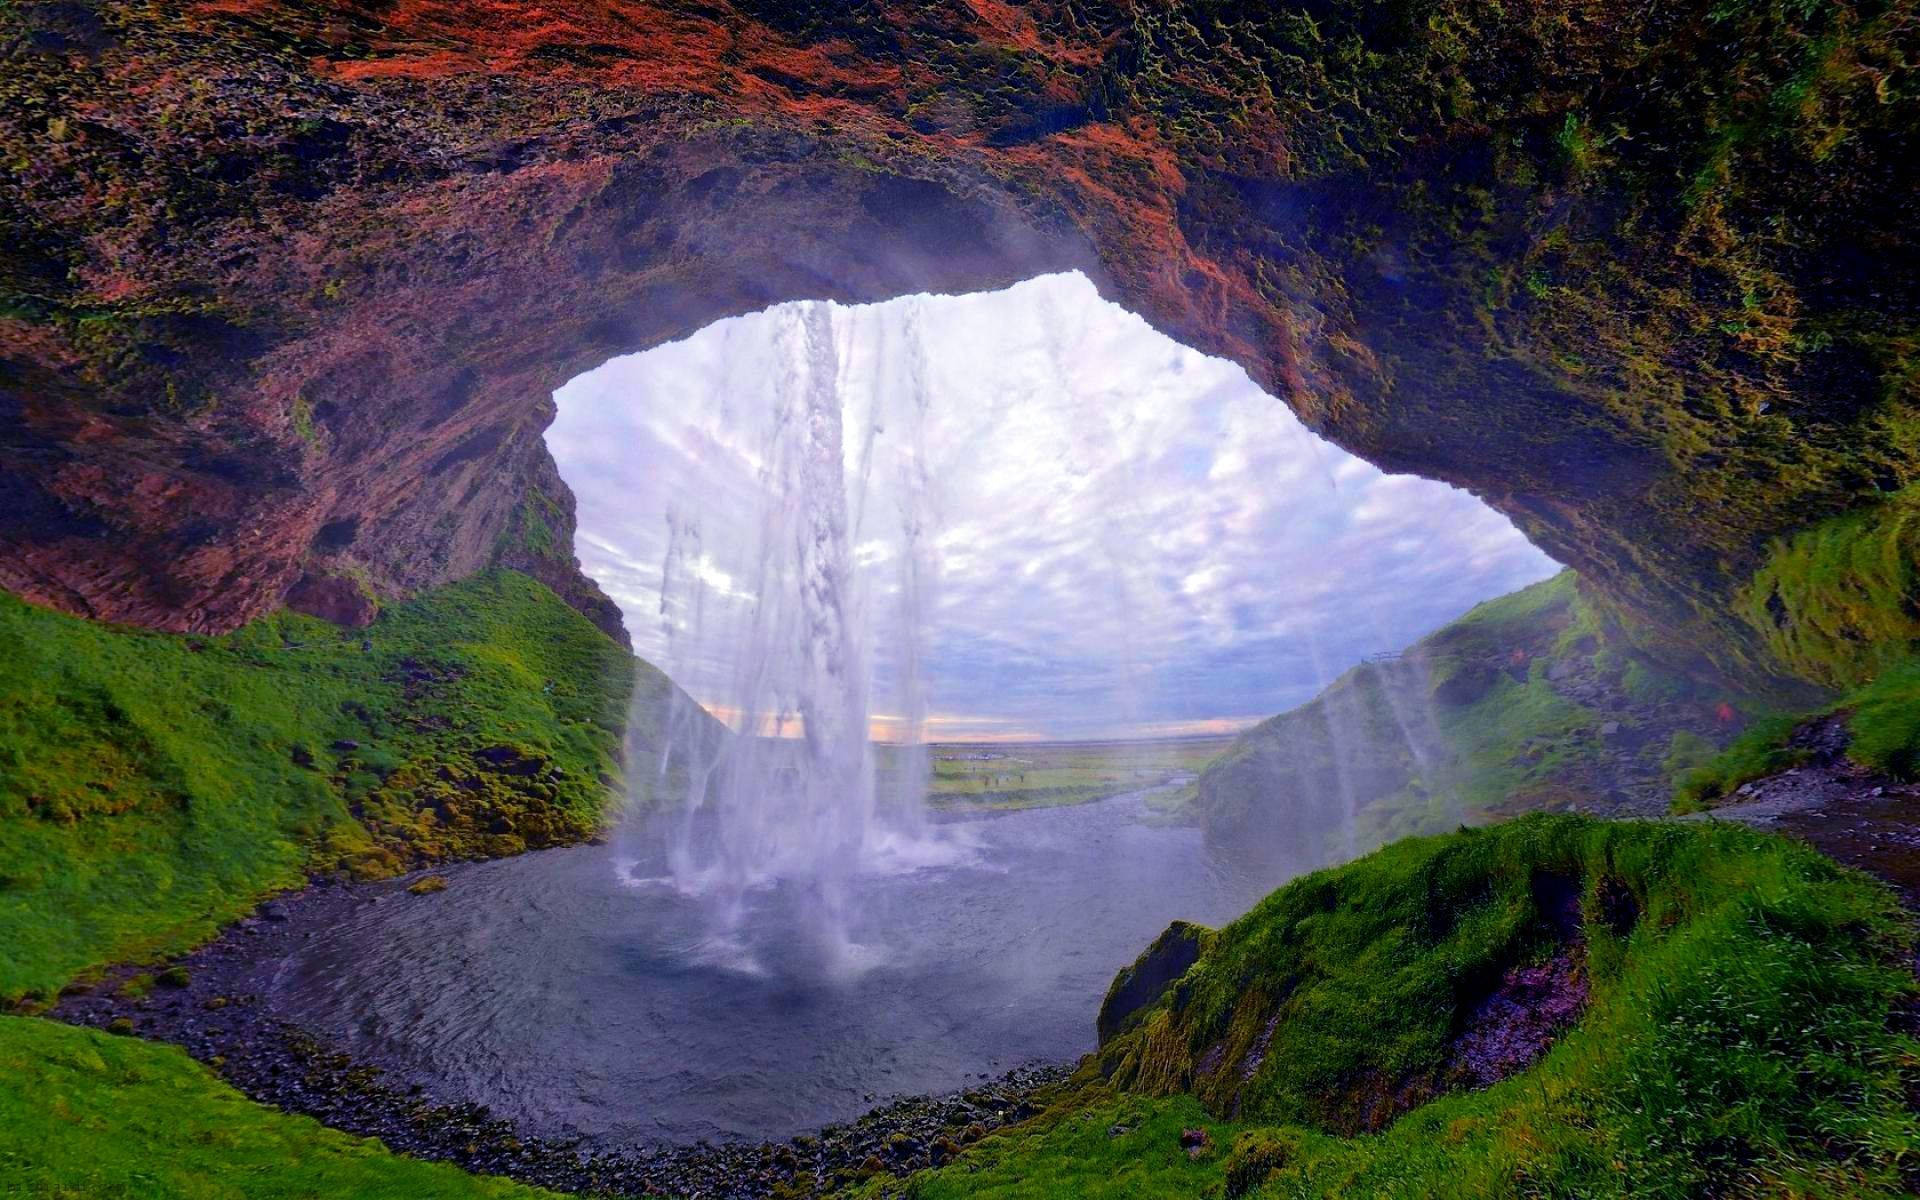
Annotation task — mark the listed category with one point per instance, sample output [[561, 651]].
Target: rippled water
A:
[[568, 992]]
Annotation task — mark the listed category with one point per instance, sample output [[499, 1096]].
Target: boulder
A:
[[1140, 985]]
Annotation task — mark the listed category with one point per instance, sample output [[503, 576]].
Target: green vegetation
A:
[[1532, 701], [87, 1116], [1049, 774], [1741, 1033], [1882, 720], [1840, 602], [531, 528], [1760, 751], [1097, 1147], [1680, 286], [154, 786]]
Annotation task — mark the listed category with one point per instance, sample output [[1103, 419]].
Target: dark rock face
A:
[[1140, 985], [288, 285], [335, 598], [1519, 1021]]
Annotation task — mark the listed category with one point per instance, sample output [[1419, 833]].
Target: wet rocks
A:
[[1138, 986], [1519, 1021]]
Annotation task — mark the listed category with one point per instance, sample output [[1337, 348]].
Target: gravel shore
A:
[[211, 1003]]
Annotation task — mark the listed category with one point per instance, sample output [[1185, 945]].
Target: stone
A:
[[336, 598], [336, 365], [1138, 986]]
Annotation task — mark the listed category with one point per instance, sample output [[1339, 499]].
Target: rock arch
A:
[[292, 283]]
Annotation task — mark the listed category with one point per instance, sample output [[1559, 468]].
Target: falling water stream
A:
[[792, 801]]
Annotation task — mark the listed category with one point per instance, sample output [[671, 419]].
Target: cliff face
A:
[[1533, 701], [288, 285]]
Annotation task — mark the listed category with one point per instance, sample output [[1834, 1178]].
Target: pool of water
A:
[[572, 993]]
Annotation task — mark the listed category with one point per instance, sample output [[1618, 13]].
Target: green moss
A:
[[1478, 720], [530, 530], [1760, 751], [153, 786], [1841, 601], [115, 1118], [1741, 1035]]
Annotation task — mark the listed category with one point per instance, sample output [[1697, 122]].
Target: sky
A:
[[1115, 535]]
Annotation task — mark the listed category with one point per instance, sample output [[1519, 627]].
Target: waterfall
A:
[[790, 805]]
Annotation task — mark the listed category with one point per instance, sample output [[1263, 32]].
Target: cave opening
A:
[[956, 595], [1126, 537]]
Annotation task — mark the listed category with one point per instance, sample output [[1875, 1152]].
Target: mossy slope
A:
[[154, 786], [85, 1115], [1740, 1035], [1840, 603], [1536, 700]]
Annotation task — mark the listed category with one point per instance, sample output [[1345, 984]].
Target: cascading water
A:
[[790, 805]]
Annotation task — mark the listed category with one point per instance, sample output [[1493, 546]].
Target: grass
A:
[[154, 786], [1883, 727], [1741, 1036], [87, 1116], [1840, 602], [1112, 1148], [1049, 774], [1473, 722], [1884, 718], [1760, 751]]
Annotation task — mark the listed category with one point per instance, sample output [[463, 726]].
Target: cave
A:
[[290, 318], [332, 785]]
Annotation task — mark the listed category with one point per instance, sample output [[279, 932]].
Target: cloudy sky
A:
[[1118, 535]]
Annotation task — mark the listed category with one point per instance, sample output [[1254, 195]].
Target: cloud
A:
[[1126, 535]]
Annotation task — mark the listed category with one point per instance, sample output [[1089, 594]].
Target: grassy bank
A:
[[1739, 1035], [86, 1115], [1534, 701], [154, 786], [1840, 604]]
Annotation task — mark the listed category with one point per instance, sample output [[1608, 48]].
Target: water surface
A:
[[571, 995]]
